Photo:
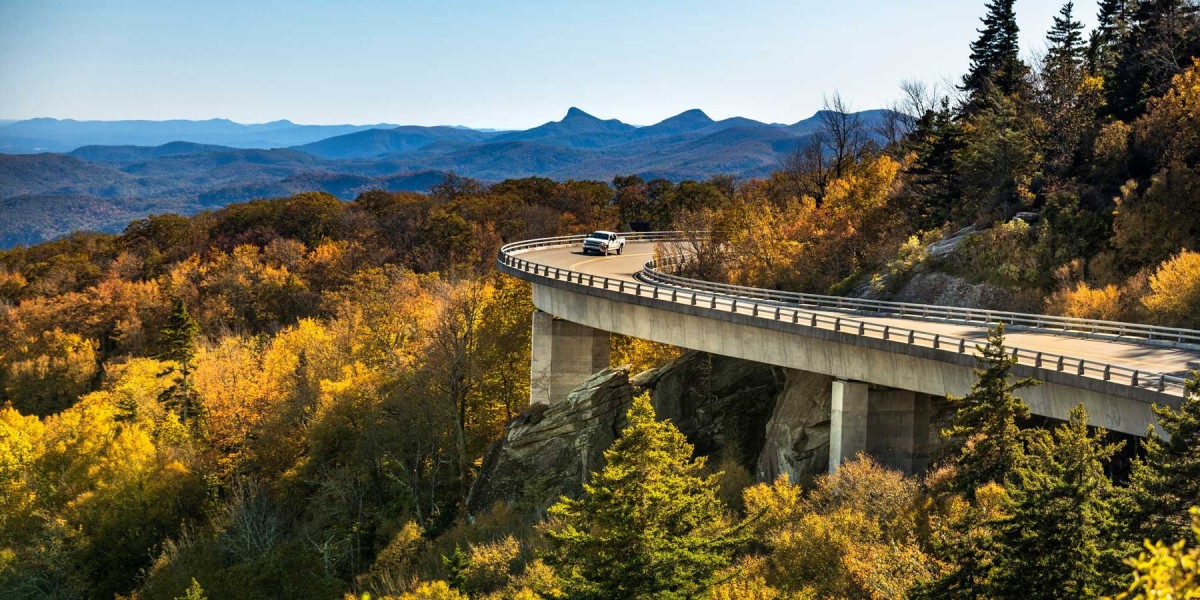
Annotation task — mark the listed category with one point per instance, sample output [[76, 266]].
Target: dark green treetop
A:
[[986, 421], [649, 525], [1057, 541], [995, 57]]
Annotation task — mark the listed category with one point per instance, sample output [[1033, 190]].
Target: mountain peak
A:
[[575, 113], [688, 120], [694, 114]]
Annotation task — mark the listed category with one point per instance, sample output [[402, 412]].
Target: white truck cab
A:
[[604, 242]]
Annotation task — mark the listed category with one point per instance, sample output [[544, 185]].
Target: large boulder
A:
[[550, 451], [797, 435]]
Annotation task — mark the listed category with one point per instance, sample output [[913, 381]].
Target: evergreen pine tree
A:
[[1112, 28], [1163, 37], [1066, 49], [935, 143], [649, 525], [1062, 100], [986, 421], [1165, 483], [456, 566], [1058, 542], [995, 57], [178, 339]]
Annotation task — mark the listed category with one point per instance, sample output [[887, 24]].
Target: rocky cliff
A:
[[770, 420], [551, 450], [721, 404]]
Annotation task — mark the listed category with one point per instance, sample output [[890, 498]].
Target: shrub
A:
[[395, 566], [1164, 572], [1008, 254], [1174, 297], [490, 564], [1085, 302]]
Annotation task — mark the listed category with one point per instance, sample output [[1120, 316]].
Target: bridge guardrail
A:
[[1085, 327], [713, 296]]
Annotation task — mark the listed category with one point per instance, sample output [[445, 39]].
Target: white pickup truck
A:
[[604, 242]]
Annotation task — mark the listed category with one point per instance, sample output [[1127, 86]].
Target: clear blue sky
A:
[[479, 63]]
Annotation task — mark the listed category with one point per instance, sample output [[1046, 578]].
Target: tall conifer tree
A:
[[1112, 27], [1063, 101], [1058, 542], [179, 338], [995, 57], [1066, 49], [649, 525], [986, 421], [1166, 482]]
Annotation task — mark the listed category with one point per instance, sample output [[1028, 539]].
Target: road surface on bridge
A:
[[1131, 354]]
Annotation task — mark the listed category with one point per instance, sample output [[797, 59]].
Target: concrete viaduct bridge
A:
[[887, 359]]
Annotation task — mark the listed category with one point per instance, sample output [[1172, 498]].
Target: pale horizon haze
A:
[[505, 65]]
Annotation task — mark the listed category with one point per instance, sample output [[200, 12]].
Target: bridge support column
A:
[[847, 421], [898, 429], [564, 355], [890, 425]]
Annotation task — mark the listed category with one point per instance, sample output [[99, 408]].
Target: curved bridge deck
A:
[[1117, 378]]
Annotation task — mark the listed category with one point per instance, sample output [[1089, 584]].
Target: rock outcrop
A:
[[942, 289], [772, 421], [721, 404], [797, 435], [550, 451]]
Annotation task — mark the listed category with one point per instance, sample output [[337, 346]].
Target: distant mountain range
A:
[[60, 175], [63, 135]]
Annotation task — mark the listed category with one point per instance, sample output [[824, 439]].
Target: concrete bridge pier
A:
[[564, 355], [890, 425]]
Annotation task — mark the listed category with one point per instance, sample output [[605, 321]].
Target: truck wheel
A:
[[620, 249]]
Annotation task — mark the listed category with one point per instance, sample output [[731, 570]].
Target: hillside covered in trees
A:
[[103, 186], [291, 398]]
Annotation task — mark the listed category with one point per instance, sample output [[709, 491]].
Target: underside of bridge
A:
[[890, 425], [880, 363]]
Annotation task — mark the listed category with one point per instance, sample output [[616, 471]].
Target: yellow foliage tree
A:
[[641, 354], [813, 245], [48, 372], [234, 397], [854, 536], [1085, 302], [1174, 298], [20, 446]]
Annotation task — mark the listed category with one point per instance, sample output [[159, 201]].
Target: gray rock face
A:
[[721, 404], [551, 451], [942, 289], [943, 248], [797, 436], [773, 421]]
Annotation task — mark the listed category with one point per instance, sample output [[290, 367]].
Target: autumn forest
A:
[[292, 397]]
